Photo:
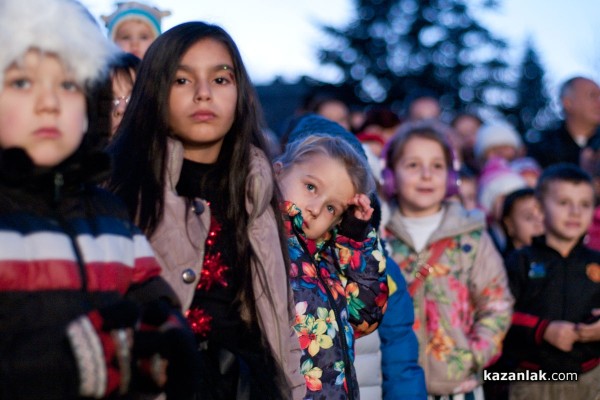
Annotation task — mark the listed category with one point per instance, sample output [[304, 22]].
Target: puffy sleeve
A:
[[362, 265], [492, 300]]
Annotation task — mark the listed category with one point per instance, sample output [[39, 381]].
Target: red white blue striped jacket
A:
[[66, 247]]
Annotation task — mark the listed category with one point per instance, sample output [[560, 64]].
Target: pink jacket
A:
[[179, 248]]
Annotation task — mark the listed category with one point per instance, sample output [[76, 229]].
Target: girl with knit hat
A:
[[498, 139], [497, 179], [133, 26], [82, 303]]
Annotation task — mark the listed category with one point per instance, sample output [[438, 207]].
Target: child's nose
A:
[[202, 91], [576, 209], [426, 172], [314, 207], [47, 100]]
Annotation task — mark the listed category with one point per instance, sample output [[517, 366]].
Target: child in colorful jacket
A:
[[337, 270], [84, 312], [454, 273]]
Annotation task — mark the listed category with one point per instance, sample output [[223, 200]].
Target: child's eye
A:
[[181, 81], [20, 83], [439, 166], [145, 37], [310, 187], [222, 80], [331, 210], [70, 86]]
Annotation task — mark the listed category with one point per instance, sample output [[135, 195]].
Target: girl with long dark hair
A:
[[191, 167]]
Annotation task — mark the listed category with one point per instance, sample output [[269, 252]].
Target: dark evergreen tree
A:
[[397, 48], [532, 109]]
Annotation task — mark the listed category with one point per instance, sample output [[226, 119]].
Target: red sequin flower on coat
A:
[[199, 321]]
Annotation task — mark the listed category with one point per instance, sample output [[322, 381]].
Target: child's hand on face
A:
[[361, 205]]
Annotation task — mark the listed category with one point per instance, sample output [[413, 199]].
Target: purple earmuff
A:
[[389, 183]]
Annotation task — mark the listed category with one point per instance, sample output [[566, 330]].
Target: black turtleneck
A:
[[198, 180], [227, 329]]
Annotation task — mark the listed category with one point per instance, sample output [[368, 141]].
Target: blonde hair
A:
[[300, 150]]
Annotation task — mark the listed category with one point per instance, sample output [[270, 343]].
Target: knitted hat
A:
[[370, 137], [524, 165], [132, 10], [496, 134], [61, 27], [497, 179], [313, 124]]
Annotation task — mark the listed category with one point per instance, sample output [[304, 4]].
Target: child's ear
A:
[[277, 168]]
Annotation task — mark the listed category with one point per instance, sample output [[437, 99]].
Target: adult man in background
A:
[[580, 100]]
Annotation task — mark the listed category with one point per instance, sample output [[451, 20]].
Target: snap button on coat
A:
[[188, 275]]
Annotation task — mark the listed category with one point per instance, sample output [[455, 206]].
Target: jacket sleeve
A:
[[492, 301], [362, 265], [272, 291], [147, 284], [403, 378]]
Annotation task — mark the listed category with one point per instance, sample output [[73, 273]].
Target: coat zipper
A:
[[58, 185]]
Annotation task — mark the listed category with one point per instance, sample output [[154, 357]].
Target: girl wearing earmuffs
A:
[[453, 272]]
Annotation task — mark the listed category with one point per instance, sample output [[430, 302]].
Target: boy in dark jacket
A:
[[83, 310], [556, 283]]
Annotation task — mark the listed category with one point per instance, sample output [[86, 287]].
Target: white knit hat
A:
[[497, 179], [61, 27], [496, 134]]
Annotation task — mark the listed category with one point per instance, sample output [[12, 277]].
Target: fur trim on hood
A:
[[62, 27]]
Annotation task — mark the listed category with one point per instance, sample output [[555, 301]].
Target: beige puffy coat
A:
[[179, 247]]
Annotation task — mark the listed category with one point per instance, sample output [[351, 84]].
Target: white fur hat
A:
[[497, 179], [61, 27], [496, 134]]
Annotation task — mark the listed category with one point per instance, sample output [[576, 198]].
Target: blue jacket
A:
[[403, 378]]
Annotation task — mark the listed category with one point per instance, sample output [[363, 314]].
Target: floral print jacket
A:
[[463, 306], [340, 292]]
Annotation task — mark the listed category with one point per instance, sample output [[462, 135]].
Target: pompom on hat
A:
[[497, 179], [132, 10], [64, 28], [496, 134]]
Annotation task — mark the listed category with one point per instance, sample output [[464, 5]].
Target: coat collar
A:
[[18, 171], [456, 220]]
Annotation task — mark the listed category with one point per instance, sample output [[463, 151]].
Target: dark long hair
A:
[[139, 148]]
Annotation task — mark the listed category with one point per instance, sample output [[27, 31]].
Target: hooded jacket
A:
[[179, 244], [463, 306], [66, 248]]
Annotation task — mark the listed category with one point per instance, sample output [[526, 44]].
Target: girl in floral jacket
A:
[[337, 271], [453, 272]]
